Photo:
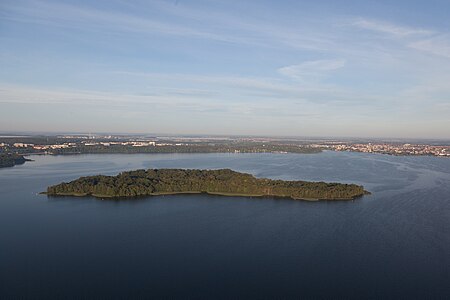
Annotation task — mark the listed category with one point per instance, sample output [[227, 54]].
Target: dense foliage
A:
[[11, 159], [225, 181]]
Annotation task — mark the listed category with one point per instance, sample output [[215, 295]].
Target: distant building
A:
[[22, 145]]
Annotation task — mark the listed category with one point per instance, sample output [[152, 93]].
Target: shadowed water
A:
[[394, 243]]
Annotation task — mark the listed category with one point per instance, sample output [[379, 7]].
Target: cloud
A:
[[79, 17], [389, 28], [184, 101], [189, 24], [439, 45], [27, 95], [424, 40], [312, 70], [277, 90]]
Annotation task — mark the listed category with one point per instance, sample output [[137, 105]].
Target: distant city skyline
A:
[[376, 69]]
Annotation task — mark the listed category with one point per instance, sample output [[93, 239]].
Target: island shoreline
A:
[[103, 197]]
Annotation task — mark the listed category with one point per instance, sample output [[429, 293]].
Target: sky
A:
[[275, 68]]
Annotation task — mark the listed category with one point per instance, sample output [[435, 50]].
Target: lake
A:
[[393, 244]]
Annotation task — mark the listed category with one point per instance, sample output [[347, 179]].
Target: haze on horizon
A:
[[274, 68]]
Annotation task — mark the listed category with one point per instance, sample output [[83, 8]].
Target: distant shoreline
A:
[[8, 160]]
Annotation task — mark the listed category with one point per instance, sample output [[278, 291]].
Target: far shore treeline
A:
[[11, 159], [223, 182]]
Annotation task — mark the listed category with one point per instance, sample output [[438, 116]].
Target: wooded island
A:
[[180, 181]]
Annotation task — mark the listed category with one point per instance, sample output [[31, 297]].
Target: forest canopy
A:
[[223, 182]]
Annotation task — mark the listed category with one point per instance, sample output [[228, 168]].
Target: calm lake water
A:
[[392, 244]]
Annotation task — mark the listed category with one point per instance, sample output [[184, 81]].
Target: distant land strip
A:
[[128, 144], [11, 159], [224, 182]]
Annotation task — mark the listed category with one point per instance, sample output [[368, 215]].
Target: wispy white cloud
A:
[[91, 19], [226, 28], [389, 28], [185, 101], [187, 23], [269, 89], [439, 45], [312, 70], [424, 40], [30, 95]]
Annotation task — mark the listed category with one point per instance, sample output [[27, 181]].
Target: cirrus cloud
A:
[[312, 70]]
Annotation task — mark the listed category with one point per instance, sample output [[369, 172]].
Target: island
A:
[[11, 159], [224, 182]]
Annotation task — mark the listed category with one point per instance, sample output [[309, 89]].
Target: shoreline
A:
[[224, 194]]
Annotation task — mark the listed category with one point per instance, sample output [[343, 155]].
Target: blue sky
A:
[[287, 68]]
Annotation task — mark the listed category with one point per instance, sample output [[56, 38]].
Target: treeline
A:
[[96, 149], [224, 181], [11, 159]]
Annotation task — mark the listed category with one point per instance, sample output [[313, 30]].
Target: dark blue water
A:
[[392, 244]]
